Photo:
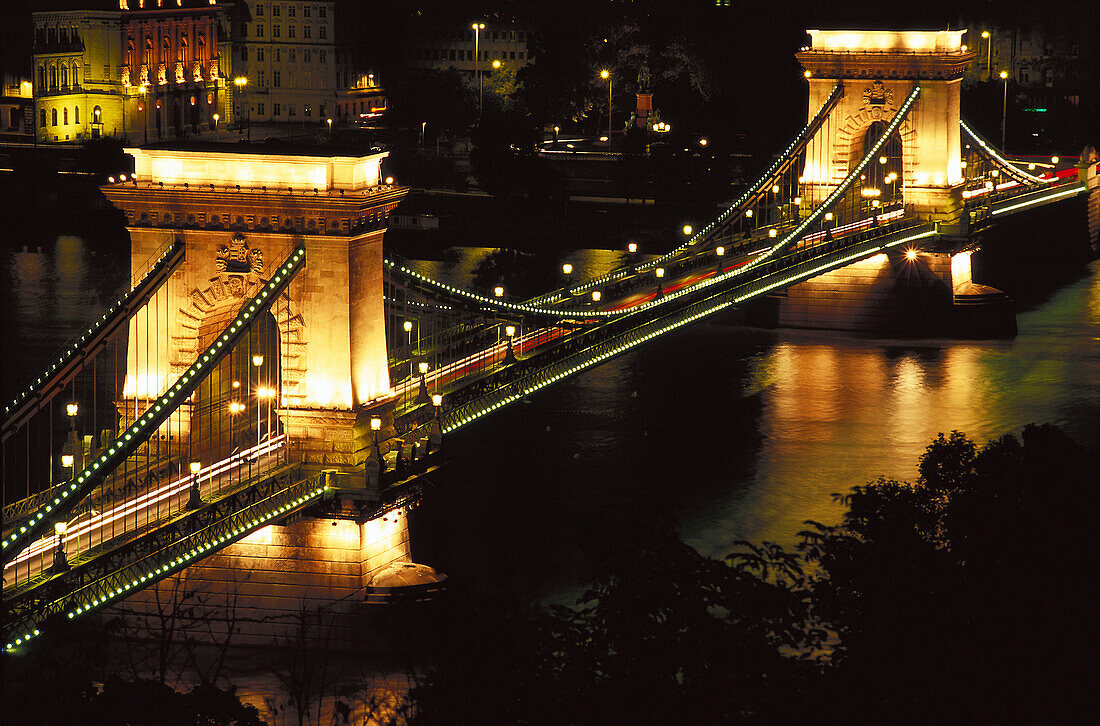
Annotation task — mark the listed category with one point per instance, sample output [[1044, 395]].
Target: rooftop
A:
[[258, 165]]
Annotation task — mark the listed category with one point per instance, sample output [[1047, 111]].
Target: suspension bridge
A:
[[272, 364]]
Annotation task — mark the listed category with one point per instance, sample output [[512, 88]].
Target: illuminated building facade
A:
[[286, 50], [151, 69]]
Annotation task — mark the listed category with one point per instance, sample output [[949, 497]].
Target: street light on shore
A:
[[1004, 109], [606, 75], [478, 27]]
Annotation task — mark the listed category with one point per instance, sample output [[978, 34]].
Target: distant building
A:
[[150, 71], [439, 47], [16, 107], [286, 49], [1034, 58], [363, 101]]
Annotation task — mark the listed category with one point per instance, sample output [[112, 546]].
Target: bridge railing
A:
[[164, 562], [612, 338], [156, 414]]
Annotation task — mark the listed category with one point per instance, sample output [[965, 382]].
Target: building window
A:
[[278, 55], [307, 56], [276, 32], [323, 56], [42, 117], [322, 33], [259, 31], [452, 53], [1025, 75], [307, 31], [276, 109], [259, 54], [305, 11], [322, 11], [1048, 77], [275, 10], [293, 55], [260, 109], [244, 53], [260, 80], [76, 76], [64, 76], [53, 117], [290, 110], [276, 79], [76, 115], [291, 31], [521, 55], [65, 117], [259, 11], [290, 11]]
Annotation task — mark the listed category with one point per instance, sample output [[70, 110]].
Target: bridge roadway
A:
[[93, 529]]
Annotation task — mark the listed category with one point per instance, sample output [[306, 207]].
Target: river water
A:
[[719, 431]]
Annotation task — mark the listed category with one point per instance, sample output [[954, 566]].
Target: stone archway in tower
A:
[[263, 393]]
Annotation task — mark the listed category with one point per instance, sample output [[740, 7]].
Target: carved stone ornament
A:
[[238, 257], [877, 95], [144, 75], [179, 72], [126, 76], [162, 75], [196, 71]]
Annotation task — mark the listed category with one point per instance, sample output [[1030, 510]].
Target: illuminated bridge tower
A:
[[239, 212], [879, 69]]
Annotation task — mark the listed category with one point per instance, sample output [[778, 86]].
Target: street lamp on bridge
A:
[[1004, 109]]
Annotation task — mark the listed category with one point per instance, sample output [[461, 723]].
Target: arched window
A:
[[165, 47], [97, 115], [41, 77], [65, 117], [76, 115], [148, 51], [53, 117], [185, 50], [76, 76], [53, 77], [42, 117], [130, 53], [64, 76]]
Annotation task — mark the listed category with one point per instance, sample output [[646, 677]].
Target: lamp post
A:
[[257, 361], [719, 252], [375, 425], [606, 74], [216, 117], [196, 495], [988, 54], [328, 121], [510, 355], [1004, 109], [659, 273], [60, 564], [145, 109], [241, 82], [422, 394], [478, 27]]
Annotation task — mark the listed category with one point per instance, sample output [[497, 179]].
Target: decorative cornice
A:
[[886, 65]]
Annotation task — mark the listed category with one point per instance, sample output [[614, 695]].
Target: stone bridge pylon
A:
[[879, 69], [239, 211]]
